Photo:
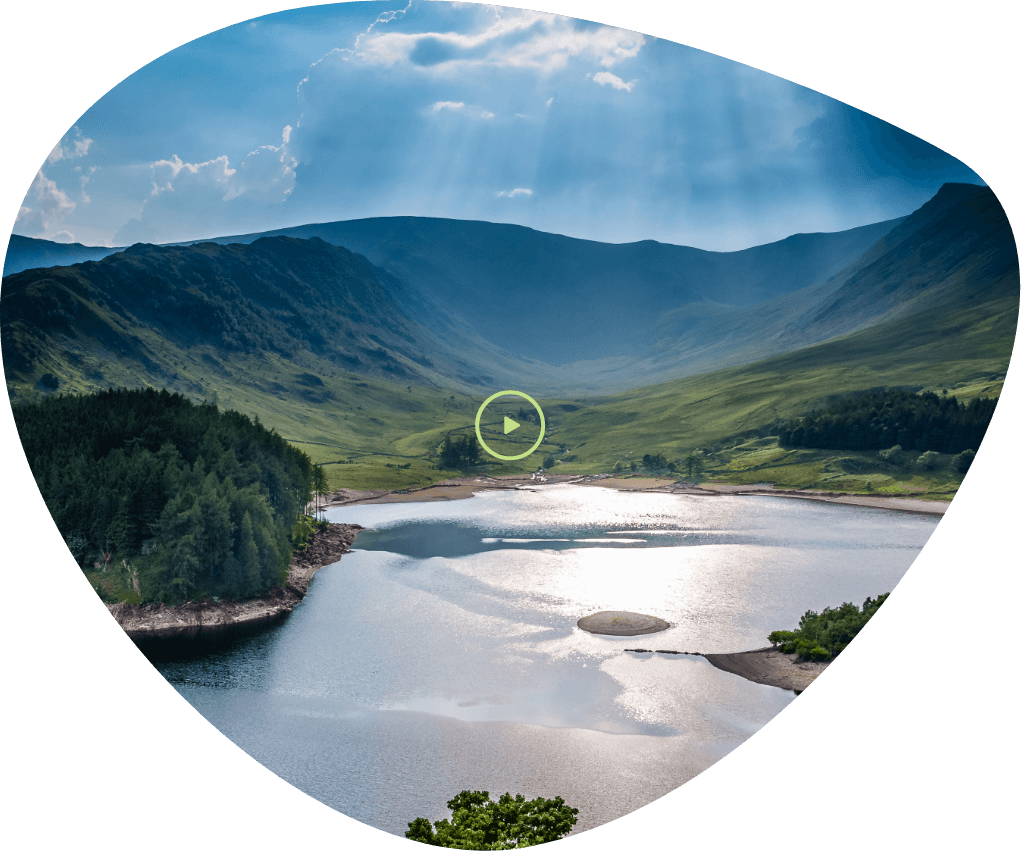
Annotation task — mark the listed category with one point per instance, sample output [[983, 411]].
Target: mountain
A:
[[25, 252], [560, 300], [143, 309], [474, 305], [954, 252]]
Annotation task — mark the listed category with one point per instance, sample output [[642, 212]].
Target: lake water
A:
[[443, 653]]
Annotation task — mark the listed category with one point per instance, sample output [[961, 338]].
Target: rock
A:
[[622, 623]]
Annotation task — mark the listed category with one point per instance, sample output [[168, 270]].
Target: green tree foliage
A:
[[894, 455], [928, 460], [694, 464], [823, 635], [511, 822], [654, 462], [318, 484], [200, 501], [460, 452], [879, 418], [962, 462]]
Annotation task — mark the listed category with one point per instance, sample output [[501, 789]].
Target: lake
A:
[[443, 653]]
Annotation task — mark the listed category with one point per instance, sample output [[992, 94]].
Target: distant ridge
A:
[[25, 252]]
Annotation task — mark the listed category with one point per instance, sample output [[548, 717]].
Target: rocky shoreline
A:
[[158, 620]]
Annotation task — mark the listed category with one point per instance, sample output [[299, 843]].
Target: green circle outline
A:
[[533, 403]]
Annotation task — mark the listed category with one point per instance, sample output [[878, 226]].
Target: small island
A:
[[622, 623]]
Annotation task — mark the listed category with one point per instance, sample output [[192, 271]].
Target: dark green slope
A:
[[956, 250], [649, 312], [559, 299], [300, 300], [966, 352], [953, 253]]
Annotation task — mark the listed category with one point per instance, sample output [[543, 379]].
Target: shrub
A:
[[928, 460], [963, 461], [781, 636], [894, 455]]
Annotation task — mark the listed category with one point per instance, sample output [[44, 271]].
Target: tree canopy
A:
[[878, 419], [510, 822], [201, 501], [822, 635], [460, 452]]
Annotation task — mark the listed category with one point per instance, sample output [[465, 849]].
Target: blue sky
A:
[[476, 112]]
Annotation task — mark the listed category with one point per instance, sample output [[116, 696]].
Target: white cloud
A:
[[514, 193], [217, 170], [487, 114], [179, 189], [71, 147], [605, 78], [513, 38], [266, 174], [49, 206], [447, 104]]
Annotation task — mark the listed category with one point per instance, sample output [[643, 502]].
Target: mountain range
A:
[[473, 305]]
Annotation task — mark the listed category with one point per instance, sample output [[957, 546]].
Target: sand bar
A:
[[766, 666]]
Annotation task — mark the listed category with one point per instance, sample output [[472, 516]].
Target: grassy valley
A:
[[965, 353], [351, 363]]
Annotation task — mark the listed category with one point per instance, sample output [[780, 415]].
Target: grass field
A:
[[373, 434], [966, 354]]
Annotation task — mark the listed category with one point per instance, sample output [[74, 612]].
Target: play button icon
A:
[[491, 427]]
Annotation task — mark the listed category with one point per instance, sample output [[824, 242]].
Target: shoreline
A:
[[466, 487], [767, 666], [159, 621]]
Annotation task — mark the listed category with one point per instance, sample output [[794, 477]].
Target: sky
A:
[[467, 111]]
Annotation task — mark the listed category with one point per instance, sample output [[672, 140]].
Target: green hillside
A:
[[966, 352], [357, 425]]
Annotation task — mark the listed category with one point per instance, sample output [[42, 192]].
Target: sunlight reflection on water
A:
[[444, 654]]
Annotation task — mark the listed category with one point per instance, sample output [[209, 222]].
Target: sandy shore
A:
[[767, 666], [157, 620], [462, 488]]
